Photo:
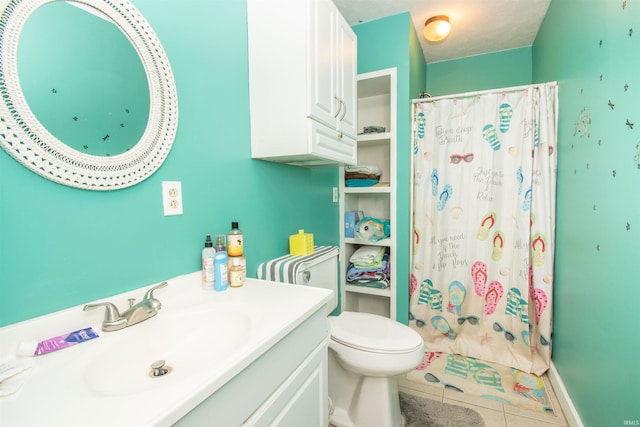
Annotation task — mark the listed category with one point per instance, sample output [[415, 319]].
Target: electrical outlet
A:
[[172, 197], [335, 194]]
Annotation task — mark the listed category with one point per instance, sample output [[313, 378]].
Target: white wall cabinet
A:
[[302, 78], [376, 107]]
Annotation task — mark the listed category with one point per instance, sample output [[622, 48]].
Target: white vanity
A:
[[250, 356]]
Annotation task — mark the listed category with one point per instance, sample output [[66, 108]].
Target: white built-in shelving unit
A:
[[377, 100]]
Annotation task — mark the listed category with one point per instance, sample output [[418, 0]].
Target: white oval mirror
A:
[[44, 151]]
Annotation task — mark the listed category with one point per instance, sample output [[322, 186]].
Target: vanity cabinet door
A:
[[301, 400]]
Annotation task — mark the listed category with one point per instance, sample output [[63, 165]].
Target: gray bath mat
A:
[[421, 412]]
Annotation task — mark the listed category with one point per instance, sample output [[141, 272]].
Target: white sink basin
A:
[[207, 338], [124, 368]]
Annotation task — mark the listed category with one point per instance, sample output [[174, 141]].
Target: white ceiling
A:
[[477, 26]]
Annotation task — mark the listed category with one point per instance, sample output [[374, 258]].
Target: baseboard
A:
[[570, 413]]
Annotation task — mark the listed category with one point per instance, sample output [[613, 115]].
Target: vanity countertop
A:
[[86, 384]]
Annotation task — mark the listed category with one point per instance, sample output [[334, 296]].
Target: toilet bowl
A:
[[366, 353]]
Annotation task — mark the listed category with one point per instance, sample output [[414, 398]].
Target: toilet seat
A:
[[373, 333]]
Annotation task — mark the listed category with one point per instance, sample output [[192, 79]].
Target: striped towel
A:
[[285, 268]]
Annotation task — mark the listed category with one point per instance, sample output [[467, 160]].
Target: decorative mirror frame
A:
[[30, 143]]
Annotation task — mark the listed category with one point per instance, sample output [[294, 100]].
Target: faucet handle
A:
[[111, 313], [149, 294]]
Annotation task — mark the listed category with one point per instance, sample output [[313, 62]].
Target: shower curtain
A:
[[484, 178]]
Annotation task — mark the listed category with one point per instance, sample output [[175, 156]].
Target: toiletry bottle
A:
[[235, 244], [221, 243], [238, 261], [208, 274], [236, 276], [220, 267]]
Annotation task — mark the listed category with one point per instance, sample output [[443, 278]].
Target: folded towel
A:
[[362, 276], [370, 169], [367, 254], [360, 175], [374, 284], [361, 182]]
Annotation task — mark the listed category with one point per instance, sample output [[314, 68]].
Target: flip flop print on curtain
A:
[[538, 296], [446, 193], [493, 295], [505, 112], [489, 131], [444, 197], [463, 366], [414, 284], [467, 368], [526, 203], [498, 245], [434, 182], [529, 385], [457, 295], [520, 180], [486, 223], [479, 277], [442, 326], [491, 136], [516, 306], [540, 299], [429, 356], [421, 121], [430, 296], [538, 247]]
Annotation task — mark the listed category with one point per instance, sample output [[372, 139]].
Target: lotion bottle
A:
[[235, 244], [237, 261], [208, 273], [220, 267]]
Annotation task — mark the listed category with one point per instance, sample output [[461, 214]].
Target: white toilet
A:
[[366, 351]]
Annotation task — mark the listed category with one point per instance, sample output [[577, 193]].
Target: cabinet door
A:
[[322, 92], [347, 63], [331, 144]]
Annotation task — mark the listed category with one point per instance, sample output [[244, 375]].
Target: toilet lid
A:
[[373, 333]]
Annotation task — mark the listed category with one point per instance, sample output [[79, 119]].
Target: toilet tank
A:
[[319, 269]]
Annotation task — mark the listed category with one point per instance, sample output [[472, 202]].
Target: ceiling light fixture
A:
[[436, 28]]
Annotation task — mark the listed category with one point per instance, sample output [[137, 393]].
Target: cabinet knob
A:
[[340, 135]]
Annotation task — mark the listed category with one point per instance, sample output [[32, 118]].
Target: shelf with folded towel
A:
[[354, 241], [368, 290], [371, 189]]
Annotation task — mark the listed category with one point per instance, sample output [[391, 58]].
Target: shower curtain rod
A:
[[484, 92]]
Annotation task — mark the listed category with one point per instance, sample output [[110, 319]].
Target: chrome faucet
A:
[[137, 313]]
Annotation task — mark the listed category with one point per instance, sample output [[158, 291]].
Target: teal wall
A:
[[594, 54], [494, 70], [387, 43], [61, 246], [597, 292]]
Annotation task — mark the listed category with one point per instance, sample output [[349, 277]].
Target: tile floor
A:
[[494, 414]]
